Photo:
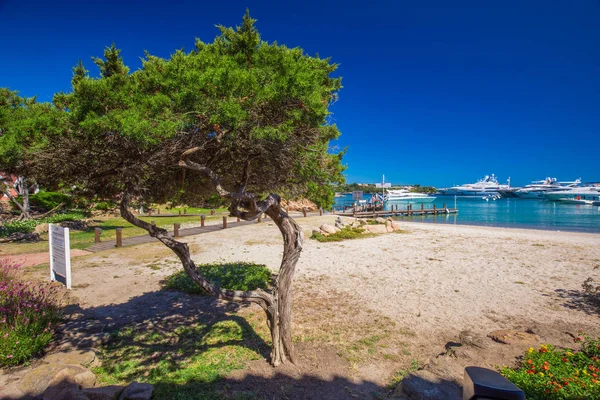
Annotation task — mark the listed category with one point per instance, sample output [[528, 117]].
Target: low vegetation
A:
[[29, 311], [235, 276], [550, 373], [344, 234]]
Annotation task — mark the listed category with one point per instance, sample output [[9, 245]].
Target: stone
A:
[[375, 229], [137, 391], [508, 336], [83, 357], [41, 228], [60, 386], [380, 220], [471, 339], [338, 225], [327, 228], [396, 226], [424, 385], [388, 226], [36, 381], [103, 393], [336, 229], [86, 379]]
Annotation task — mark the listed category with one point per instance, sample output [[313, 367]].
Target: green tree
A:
[[239, 117]]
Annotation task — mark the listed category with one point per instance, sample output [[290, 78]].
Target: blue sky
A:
[[435, 92]]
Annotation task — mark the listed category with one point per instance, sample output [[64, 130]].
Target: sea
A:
[[505, 212]]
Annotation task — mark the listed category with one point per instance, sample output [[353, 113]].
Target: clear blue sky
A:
[[435, 92]]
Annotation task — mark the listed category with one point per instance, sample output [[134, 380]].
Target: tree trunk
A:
[[277, 305]]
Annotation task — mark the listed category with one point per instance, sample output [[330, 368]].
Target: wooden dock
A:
[[409, 211]]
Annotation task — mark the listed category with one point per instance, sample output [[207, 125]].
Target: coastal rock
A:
[[396, 226], [137, 391], [85, 379], [336, 229], [62, 386], [380, 220], [375, 228], [338, 225], [388, 226], [471, 339], [508, 336], [327, 228], [424, 385]]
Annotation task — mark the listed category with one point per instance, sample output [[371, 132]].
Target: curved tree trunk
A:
[[277, 305]]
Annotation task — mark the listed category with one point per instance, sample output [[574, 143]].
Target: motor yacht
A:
[[578, 195], [482, 188], [403, 195], [538, 189]]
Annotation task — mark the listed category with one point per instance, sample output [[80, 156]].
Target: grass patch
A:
[[345, 233], [235, 276], [397, 378], [182, 362]]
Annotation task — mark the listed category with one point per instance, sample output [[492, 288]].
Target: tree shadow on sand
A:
[[579, 300]]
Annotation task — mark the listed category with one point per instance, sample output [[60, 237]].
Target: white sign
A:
[[358, 195], [60, 255], [383, 185]]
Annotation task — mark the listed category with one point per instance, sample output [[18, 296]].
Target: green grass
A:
[[345, 233], [235, 276], [403, 373], [182, 363], [84, 239]]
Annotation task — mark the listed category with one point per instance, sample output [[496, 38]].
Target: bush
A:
[[234, 276], [17, 226], [104, 206], [63, 217], [344, 234], [550, 373], [46, 201], [29, 312]]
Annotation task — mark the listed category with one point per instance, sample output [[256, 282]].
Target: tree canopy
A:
[[257, 111]]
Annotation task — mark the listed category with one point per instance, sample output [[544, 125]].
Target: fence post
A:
[[202, 219], [97, 233], [333, 210], [304, 211], [184, 211], [320, 212], [238, 219], [259, 219], [119, 237], [158, 211], [149, 212], [176, 229], [179, 213], [434, 209], [422, 206], [224, 221]]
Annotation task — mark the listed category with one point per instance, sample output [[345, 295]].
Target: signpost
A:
[[60, 255], [357, 195]]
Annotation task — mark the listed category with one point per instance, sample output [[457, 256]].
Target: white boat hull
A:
[[411, 200]]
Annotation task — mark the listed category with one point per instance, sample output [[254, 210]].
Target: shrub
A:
[[234, 276], [28, 313], [550, 373], [104, 206], [344, 234], [46, 201], [66, 216], [11, 227]]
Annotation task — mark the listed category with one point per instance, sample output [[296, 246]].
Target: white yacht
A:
[[404, 195], [589, 194], [538, 189], [482, 188]]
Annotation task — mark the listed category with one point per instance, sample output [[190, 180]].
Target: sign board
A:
[[60, 255], [358, 195], [383, 185]]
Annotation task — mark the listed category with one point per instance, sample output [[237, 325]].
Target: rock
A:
[[388, 226], [137, 391], [508, 336], [336, 229], [41, 228], [36, 381], [471, 339], [380, 220], [316, 231], [423, 385], [62, 386], [375, 228], [338, 225], [80, 356], [74, 225], [327, 228], [103, 393], [339, 220], [86, 379], [396, 226]]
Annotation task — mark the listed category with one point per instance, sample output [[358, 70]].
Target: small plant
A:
[[234, 276], [397, 378], [11, 227], [550, 373], [344, 234], [28, 313]]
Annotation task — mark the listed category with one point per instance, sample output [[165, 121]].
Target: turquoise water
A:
[[509, 213]]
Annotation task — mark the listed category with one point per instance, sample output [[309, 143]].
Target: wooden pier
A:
[[409, 211]]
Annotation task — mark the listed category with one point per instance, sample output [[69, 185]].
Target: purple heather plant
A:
[[28, 313]]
